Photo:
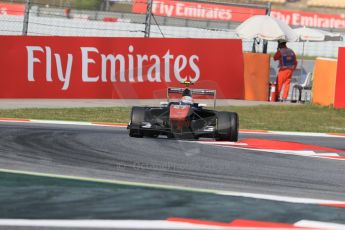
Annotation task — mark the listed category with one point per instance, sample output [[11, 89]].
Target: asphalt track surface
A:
[[108, 153]]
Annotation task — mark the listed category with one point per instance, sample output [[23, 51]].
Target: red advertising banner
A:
[[310, 19], [339, 98], [197, 10], [12, 9], [91, 67], [219, 12]]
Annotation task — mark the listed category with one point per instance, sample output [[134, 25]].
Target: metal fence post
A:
[[268, 12], [148, 18], [26, 18]]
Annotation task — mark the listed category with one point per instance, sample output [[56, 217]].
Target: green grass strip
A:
[[303, 118]]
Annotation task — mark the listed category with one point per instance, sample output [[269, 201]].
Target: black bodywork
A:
[[187, 121], [200, 122]]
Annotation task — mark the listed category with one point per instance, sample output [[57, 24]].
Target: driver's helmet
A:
[[187, 92], [187, 100], [187, 97]]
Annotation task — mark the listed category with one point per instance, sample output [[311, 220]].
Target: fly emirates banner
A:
[[90, 67], [219, 12]]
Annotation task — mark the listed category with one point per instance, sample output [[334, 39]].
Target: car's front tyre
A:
[[137, 117]]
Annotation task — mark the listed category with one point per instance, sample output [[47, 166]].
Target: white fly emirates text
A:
[[129, 67], [191, 10]]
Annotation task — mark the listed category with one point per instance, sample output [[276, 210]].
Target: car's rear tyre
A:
[[137, 117], [227, 126]]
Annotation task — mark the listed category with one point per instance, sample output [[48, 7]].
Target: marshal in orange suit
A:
[[287, 65]]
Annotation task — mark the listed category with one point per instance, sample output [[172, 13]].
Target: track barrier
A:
[[256, 76], [339, 100], [325, 72]]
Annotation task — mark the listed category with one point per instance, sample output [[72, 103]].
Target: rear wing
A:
[[206, 92]]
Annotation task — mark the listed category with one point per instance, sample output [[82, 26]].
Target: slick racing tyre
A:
[[227, 126], [137, 117]]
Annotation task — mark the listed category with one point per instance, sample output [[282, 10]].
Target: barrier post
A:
[[26, 18], [148, 19], [268, 12]]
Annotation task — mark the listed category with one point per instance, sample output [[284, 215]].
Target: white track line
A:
[[319, 225], [151, 224], [55, 122], [104, 224], [181, 188], [61, 122]]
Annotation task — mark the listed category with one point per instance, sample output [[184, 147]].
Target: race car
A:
[[184, 119]]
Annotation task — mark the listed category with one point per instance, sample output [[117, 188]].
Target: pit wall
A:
[[119, 68]]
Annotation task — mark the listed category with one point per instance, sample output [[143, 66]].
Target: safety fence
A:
[[174, 19]]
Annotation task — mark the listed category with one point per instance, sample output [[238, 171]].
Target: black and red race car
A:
[[184, 119]]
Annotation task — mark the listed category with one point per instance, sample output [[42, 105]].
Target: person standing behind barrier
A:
[[67, 10], [287, 65]]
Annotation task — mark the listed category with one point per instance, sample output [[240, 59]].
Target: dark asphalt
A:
[[32, 197], [108, 153]]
